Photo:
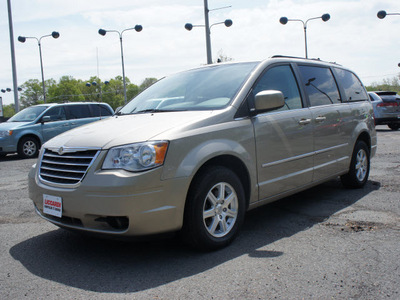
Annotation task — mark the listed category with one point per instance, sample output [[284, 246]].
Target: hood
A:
[[121, 130], [12, 125]]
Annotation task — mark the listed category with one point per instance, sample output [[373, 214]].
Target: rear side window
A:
[[78, 111], [351, 85], [320, 85], [99, 110], [281, 78]]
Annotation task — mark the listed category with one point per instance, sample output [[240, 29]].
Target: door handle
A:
[[304, 121], [320, 119], [66, 125]]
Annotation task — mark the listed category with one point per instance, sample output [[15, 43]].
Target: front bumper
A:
[[7, 145], [115, 202]]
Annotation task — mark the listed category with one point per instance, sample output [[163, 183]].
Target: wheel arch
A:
[[36, 137], [232, 163], [366, 138], [23, 139]]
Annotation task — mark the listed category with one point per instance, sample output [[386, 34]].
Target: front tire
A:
[[28, 147], [215, 209], [359, 167]]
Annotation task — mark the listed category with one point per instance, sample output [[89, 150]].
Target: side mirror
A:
[[268, 100], [45, 119]]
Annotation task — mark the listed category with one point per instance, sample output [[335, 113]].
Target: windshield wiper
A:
[[154, 110]]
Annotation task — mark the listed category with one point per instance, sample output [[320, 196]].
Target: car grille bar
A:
[[66, 168]]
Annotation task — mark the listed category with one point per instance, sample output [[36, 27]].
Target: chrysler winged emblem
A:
[[60, 150]]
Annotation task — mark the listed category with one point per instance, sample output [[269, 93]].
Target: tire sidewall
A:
[[21, 144], [193, 221], [350, 179], [394, 126]]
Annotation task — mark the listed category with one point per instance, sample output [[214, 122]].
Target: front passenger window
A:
[[56, 114], [281, 78]]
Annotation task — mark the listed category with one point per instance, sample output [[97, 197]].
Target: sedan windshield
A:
[[201, 89], [28, 114]]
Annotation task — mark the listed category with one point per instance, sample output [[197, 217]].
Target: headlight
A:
[[136, 157], [6, 133]]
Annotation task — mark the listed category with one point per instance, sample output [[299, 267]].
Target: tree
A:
[[146, 83], [113, 92], [32, 93], [222, 57], [8, 111], [67, 89], [391, 85]]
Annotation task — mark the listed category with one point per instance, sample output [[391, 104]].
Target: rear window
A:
[[352, 86], [389, 96]]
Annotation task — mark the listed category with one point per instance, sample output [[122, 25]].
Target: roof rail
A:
[[295, 57], [286, 56]]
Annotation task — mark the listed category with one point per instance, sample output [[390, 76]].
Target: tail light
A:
[[388, 104]]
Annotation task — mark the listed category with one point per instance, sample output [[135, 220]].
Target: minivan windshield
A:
[[200, 89], [28, 114]]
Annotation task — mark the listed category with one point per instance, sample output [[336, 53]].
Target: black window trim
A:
[[338, 87], [249, 102], [68, 107], [341, 89], [100, 105]]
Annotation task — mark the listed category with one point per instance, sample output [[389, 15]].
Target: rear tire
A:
[[359, 167], [28, 147], [394, 126], [215, 209]]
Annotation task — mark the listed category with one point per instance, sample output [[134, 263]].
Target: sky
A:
[[353, 37]]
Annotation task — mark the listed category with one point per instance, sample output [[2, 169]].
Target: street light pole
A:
[[208, 33], [123, 66], [284, 20], [103, 32], [22, 39], [41, 69], [14, 68], [189, 27]]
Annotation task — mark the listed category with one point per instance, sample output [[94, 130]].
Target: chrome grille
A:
[[67, 168]]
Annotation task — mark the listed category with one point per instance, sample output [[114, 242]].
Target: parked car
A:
[[386, 108], [196, 150], [27, 130]]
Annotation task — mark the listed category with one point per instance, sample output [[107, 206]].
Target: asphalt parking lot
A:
[[325, 243]]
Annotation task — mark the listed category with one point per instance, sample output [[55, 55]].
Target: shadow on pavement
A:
[[122, 267]]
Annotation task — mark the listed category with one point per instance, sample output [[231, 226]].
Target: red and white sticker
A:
[[52, 205]]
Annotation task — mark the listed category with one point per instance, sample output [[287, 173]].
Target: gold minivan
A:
[[196, 150]]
